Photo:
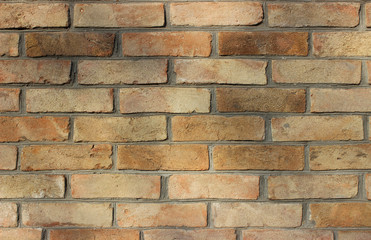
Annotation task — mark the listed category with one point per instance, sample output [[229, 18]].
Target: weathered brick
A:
[[336, 157], [317, 128], [66, 157], [67, 214], [369, 71], [94, 234], [15, 129], [316, 71], [312, 186], [213, 186], [260, 100], [20, 234], [368, 14], [313, 14], [8, 157], [8, 216], [258, 157], [263, 43], [35, 71], [238, 214], [368, 185], [9, 99], [218, 13], [352, 235], [9, 44], [119, 15], [335, 44], [164, 99], [163, 157], [69, 100], [355, 214], [120, 129], [115, 186], [33, 15], [122, 71], [167, 44], [305, 234], [69, 44], [162, 215], [213, 128], [220, 71], [200, 234]]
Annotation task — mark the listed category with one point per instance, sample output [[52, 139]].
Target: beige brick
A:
[[20, 234], [368, 185], [8, 216], [352, 235], [94, 234], [9, 99], [305, 234], [199, 234], [8, 157], [9, 44]]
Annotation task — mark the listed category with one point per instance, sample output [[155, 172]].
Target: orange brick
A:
[[260, 234], [369, 71], [352, 235], [8, 216], [368, 14], [200, 234], [20, 234], [94, 234], [9, 44], [368, 185], [9, 100], [8, 157]]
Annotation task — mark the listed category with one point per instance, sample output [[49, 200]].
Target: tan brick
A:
[[237, 214], [354, 214], [313, 14], [167, 44], [312, 186], [316, 71], [164, 99], [260, 100], [122, 71], [67, 214], [218, 13], [335, 44], [115, 186], [66, 157], [368, 14], [305, 234], [220, 71], [213, 128], [15, 129], [69, 44], [258, 157], [8, 216], [336, 157], [317, 128], [213, 186], [120, 129], [8, 157], [20, 234], [162, 215], [163, 157], [263, 43], [369, 71], [9, 44], [200, 234], [119, 15], [368, 185], [94, 234], [35, 71], [33, 15], [9, 99], [352, 235], [69, 100]]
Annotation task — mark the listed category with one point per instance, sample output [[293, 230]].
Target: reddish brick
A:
[[9, 100], [93, 234], [369, 71], [200, 234], [20, 234], [9, 44], [8, 216], [354, 235], [8, 157], [368, 14], [305, 234], [368, 185]]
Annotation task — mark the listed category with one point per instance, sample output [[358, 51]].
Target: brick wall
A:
[[162, 120]]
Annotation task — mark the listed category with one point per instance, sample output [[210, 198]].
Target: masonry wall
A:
[[162, 120]]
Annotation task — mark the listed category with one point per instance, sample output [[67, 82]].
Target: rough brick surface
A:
[[368, 186], [260, 234], [368, 14], [350, 235], [203, 234], [8, 157], [94, 234], [20, 233], [8, 217], [9, 100], [9, 44]]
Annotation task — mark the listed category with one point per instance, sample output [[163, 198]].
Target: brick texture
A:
[[98, 234], [21, 233], [8, 216], [209, 234], [9, 44], [348, 235], [8, 157], [9, 100], [259, 234]]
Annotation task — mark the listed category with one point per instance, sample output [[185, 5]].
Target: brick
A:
[[69, 44], [351, 235], [67, 214], [354, 214], [15, 129], [8, 216], [213, 186], [238, 214], [167, 44], [316, 71], [115, 186], [162, 215], [9, 100], [164, 99], [368, 14], [312, 186], [305, 234], [20, 234], [258, 157], [260, 100], [66, 157], [263, 43], [120, 129], [317, 128], [369, 71], [69, 100], [214, 128], [368, 185], [340, 157], [32, 186], [35, 71], [220, 71], [94, 234], [9, 44], [34, 15], [336, 44], [122, 71], [8, 157], [200, 234], [313, 14], [219, 13], [119, 15], [163, 157]]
